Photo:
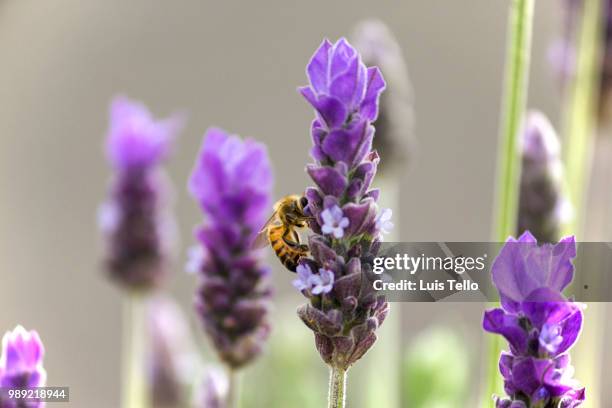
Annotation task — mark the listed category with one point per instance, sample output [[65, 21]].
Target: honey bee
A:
[[280, 231]]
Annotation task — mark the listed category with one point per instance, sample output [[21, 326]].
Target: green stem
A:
[[134, 352], [514, 103], [233, 396], [337, 387], [580, 112], [579, 128], [515, 99]]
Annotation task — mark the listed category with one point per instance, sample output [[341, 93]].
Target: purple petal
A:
[[528, 374], [499, 322], [375, 86], [328, 179], [317, 68]]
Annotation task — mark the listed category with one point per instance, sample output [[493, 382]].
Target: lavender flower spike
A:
[[21, 364], [232, 182], [135, 218], [342, 313], [538, 322], [542, 207]]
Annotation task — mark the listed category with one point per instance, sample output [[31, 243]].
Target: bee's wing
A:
[[262, 237]]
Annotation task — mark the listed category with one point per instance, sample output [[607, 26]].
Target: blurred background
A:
[[237, 65]]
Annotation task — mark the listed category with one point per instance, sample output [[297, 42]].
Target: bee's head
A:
[[302, 203]]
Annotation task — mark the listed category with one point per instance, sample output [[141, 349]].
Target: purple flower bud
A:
[[136, 219], [542, 207], [232, 182], [539, 324], [346, 230], [21, 364], [395, 140]]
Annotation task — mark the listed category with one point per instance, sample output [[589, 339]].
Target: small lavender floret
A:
[[343, 311], [538, 322], [542, 207], [21, 365], [232, 182], [136, 219]]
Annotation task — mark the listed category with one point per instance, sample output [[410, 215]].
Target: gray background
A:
[[235, 65]]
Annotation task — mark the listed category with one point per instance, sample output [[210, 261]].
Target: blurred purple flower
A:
[[214, 391], [342, 314], [232, 182], [173, 359], [21, 365], [135, 219], [542, 206], [395, 140], [135, 138], [538, 322]]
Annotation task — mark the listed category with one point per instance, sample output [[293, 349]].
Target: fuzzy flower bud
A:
[[21, 365], [232, 182], [542, 208], [342, 312], [174, 358], [394, 141], [214, 390], [538, 322], [135, 219]]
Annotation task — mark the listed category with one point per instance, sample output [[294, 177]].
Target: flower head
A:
[[341, 85], [135, 219], [232, 182], [539, 324], [135, 139], [232, 179], [542, 206], [21, 363], [343, 316]]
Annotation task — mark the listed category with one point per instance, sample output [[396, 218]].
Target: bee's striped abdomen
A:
[[288, 255]]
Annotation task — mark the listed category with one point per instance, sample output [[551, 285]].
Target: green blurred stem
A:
[[581, 111], [515, 98], [337, 387], [135, 352], [233, 395], [579, 128]]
